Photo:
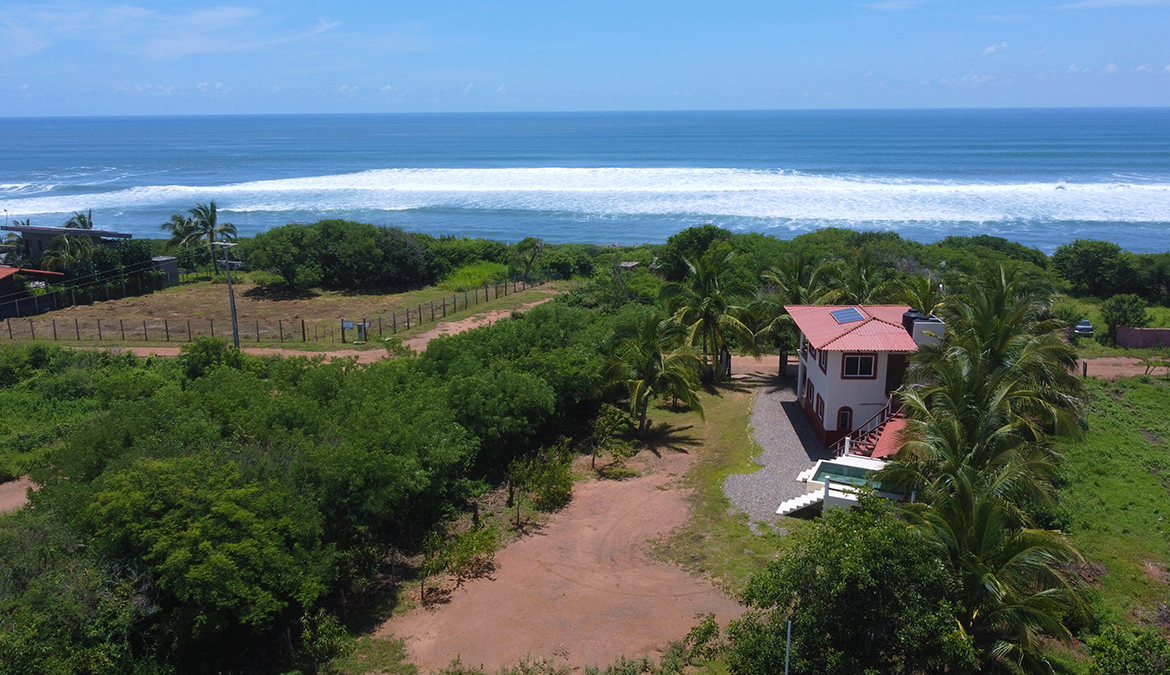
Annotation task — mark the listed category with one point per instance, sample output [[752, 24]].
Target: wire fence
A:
[[179, 329]]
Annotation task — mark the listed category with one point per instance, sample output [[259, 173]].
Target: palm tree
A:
[[799, 280], [802, 280], [650, 361], [66, 251], [862, 281], [921, 293], [1011, 587], [17, 252], [992, 393], [705, 302], [81, 221], [184, 232], [206, 220]]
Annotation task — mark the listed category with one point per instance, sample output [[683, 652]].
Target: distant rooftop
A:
[[56, 231]]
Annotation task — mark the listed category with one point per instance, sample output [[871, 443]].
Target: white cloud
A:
[[1111, 68], [894, 5], [1144, 68], [468, 89], [991, 49], [348, 88], [143, 31], [500, 91], [388, 88], [1168, 69], [968, 78]]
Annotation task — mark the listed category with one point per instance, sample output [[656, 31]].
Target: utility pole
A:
[[227, 268]]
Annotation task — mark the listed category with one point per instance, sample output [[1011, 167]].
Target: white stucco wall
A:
[[864, 396]]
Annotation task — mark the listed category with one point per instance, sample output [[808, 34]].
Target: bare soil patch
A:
[[1113, 367], [14, 493], [581, 589]]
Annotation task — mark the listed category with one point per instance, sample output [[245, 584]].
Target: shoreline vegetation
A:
[[222, 511]]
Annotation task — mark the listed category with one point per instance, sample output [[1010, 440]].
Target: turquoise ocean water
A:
[[1042, 177]]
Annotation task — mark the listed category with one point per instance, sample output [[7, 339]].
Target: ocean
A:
[[1042, 177]]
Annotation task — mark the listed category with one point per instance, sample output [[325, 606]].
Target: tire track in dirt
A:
[[581, 588]]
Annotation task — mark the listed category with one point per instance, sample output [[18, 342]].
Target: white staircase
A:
[[806, 475], [802, 502]]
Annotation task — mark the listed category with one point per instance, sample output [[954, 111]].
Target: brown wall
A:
[[1142, 338]]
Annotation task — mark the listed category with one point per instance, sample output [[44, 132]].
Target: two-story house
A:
[[851, 358]]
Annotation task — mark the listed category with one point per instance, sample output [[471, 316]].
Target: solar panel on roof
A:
[[847, 315]]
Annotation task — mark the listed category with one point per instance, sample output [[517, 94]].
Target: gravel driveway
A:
[[789, 447]]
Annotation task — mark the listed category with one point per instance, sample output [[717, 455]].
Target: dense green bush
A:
[[1126, 309]]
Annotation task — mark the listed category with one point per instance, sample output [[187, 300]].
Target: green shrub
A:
[[1123, 310], [475, 275], [1121, 652]]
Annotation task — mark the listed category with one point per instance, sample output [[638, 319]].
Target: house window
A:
[[820, 407], [861, 366], [808, 390], [845, 419], [823, 361]]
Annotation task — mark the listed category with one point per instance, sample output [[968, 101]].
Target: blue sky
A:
[[266, 56]]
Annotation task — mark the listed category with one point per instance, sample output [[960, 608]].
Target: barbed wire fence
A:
[[180, 330]]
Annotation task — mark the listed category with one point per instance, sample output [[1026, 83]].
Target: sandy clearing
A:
[[14, 493], [418, 343], [1113, 367], [582, 588]]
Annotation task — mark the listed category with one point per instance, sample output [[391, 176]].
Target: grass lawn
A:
[[715, 541], [203, 306], [1090, 308], [1116, 499]]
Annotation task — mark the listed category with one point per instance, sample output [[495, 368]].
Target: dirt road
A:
[[582, 588]]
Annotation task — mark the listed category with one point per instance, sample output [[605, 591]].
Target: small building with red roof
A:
[[851, 358]]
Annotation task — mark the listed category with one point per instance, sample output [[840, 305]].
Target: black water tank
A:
[[908, 319]]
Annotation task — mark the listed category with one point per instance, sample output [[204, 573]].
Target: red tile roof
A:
[[6, 272], [879, 330]]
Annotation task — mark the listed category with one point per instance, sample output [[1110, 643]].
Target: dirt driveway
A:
[[581, 589]]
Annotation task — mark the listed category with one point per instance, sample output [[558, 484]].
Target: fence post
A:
[[167, 328], [444, 307], [32, 329], [379, 325], [145, 337], [54, 330], [78, 329], [122, 327], [212, 327], [420, 315], [464, 299], [304, 333], [280, 327], [188, 330], [257, 330], [433, 310], [408, 319], [9, 322], [394, 322]]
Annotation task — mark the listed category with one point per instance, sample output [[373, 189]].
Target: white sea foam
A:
[[778, 196]]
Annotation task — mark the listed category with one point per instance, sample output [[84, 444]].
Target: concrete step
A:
[[802, 502]]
